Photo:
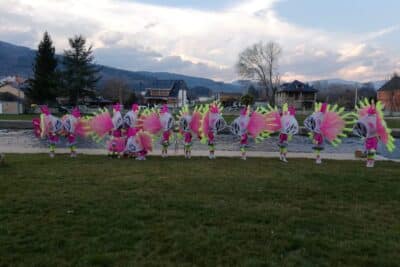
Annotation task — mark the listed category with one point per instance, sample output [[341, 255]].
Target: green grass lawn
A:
[[393, 123], [96, 211], [18, 117]]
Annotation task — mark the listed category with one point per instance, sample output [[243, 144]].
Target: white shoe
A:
[[284, 159], [318, 160], [281, 157], [51, 154], [73, 155], [370, 164]]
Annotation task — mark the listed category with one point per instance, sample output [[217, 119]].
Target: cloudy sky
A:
[[353, 40]]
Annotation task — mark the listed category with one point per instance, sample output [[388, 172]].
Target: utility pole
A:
[[356, 98], [120, 93]]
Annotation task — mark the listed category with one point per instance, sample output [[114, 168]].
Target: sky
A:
[[348, 39]]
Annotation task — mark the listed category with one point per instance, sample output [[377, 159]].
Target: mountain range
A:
[[327, 82], [18, 60]]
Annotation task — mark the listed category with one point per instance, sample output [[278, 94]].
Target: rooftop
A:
[[392, 85], [297, 86], [166, 88]]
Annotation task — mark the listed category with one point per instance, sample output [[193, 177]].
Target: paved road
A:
[[199, 153]]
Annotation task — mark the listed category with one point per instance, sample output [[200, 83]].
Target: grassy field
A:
[[18, 117], [95, 211], [393, 123]]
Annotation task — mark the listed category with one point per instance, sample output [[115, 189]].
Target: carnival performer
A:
[[189, 124], [371, 126], [159, 123], [248, 124], [286, 124], [131, 121], [48, 126], [211, 123], [74, 125], [102, 126], [131, 117], [327, 124], [138, 143], [117, 143]]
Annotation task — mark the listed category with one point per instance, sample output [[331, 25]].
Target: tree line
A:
[[73, 75]]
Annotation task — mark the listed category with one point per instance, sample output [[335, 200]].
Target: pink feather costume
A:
[[103, 125], [131, 124], [117, 143], [286, 124], [212, 122], [189, 124], [248, 125], [131, 118], [372, 127], [325, 124], [138, 143], [74, 126], [167, 124], [159, 123], [48, 126]]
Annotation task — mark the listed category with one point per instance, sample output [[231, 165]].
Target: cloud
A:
[[111, 38], [382, 32], [141, 59], [351, 51], [138, 36]]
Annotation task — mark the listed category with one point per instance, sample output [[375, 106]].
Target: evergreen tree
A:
[[80, 75], [43, 86]]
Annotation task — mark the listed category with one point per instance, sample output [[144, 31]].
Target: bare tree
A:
[[117, 90], [260, 62]]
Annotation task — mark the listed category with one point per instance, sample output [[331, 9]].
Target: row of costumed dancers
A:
[[134, 133]]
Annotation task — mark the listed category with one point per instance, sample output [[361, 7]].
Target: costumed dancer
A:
[[167, 123], [372, 127], [132, 116], [158, 123], [117, 143], [286, 124], [102, 125], [248, 124], [138, 143], [212, 122], [74, 126], [189, 124], [131, 119], [326, 123], [48, 126]]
